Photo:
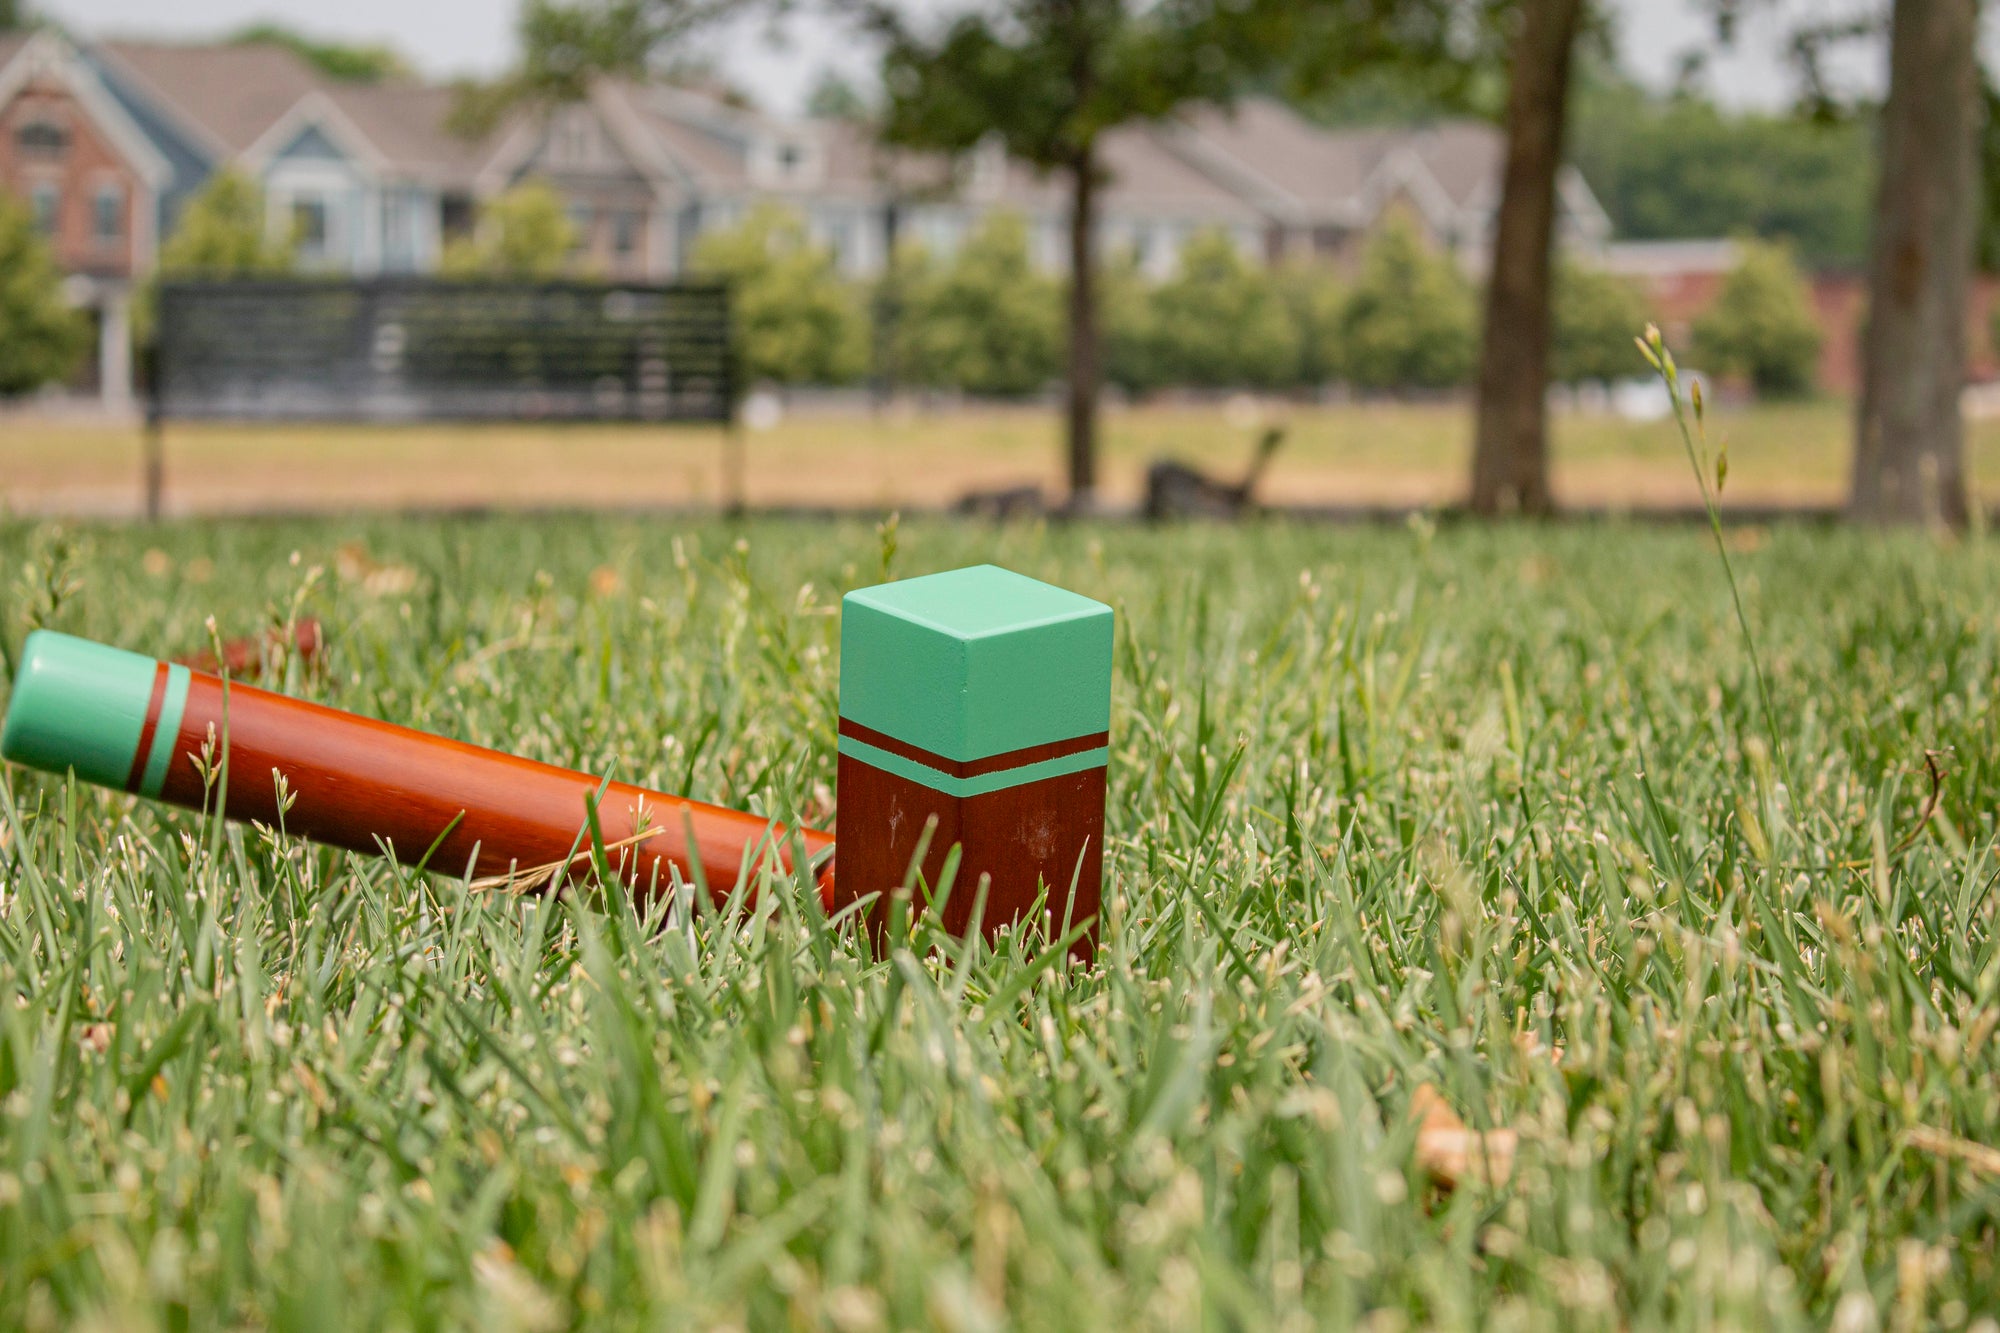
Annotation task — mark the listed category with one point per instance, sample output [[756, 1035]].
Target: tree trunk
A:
[[1083, 351], [1510, 455], [1909, 447]]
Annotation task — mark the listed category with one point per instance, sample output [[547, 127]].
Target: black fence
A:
[[428, 349]]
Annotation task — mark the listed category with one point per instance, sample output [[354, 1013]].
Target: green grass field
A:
[[1492, 810]]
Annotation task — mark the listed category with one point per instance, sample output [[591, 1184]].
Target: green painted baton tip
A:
[[78, 705]]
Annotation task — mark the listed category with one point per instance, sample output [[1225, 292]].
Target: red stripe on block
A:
[[972, 768]]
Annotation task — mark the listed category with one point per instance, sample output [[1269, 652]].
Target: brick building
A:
[[91, 180]]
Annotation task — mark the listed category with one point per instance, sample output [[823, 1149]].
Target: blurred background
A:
[[1346, 257]]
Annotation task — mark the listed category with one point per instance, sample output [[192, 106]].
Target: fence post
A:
[[733, 463], [154, 449]]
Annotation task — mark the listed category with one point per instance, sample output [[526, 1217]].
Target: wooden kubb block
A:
[[983, 698]]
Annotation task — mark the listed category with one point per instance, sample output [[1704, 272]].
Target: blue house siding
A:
[[189, 165], [310, 177]]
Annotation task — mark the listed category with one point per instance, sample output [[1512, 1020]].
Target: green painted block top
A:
[[975, 662], [79, 705]]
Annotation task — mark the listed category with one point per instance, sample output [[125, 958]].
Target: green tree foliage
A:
[[1680, 167], [524, 233], [1314, 297], [1597, 314], [833, 97], [986, 321], [1762, 324], [222, 231], [1408, 322], [1048, 81], [40, 336], [1221, 322], [345, 61], [1133, 357], [796, 320]]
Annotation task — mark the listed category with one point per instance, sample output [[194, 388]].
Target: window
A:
[[309, 229], [42, 138], [789, 157], [580, 221], [107, 214], [625, 232], [455, 216], [47, 202]]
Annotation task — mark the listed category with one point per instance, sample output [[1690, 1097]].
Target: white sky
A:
[[450, 37]]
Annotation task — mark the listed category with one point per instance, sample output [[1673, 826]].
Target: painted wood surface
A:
[[369, 786]]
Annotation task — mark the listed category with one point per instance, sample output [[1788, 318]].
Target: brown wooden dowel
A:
[[122, 720], [358, 783]]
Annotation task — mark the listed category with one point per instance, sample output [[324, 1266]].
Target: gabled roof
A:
[[314, 112], [1305, 174], [395, 130], [1146, 175], [695, 147], [1276, 159], [514, 145], [225, 97], [48, 53], [1143, 177], [711, 147], [409, 126]]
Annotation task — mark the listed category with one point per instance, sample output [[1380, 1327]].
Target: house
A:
[[93, 181], [364, 178], [1323, 192], [200, 107], [110, 141], [648, 169]]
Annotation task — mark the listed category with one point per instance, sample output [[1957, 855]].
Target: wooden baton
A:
[[121, 720]]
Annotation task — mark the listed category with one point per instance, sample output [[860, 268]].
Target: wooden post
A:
[[733, 464], [153, 450], [980, 699]]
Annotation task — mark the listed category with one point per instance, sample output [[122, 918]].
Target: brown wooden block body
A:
[[1046, 834]]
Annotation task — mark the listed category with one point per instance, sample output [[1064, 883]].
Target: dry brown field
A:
[[1365, 454]]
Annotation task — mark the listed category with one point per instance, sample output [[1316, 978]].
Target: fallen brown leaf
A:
[[1450, 1152]]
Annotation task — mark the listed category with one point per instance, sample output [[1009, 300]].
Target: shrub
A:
[[223, 231], [1762, 325], [524, 233], [1133, 357], [1407, 323], [1597, 314], [986, 321], [40, 336], [796, 321], [1220, 321], [1314, 297]]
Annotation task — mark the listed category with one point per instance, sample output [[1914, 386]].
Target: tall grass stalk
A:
[[1694, 439]]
